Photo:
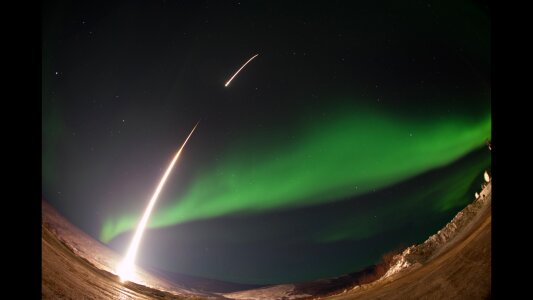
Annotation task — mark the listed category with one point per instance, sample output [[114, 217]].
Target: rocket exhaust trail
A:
[[126, 267], [229, 81]]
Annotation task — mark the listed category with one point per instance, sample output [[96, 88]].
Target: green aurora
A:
[[357, 152], [430, 201]]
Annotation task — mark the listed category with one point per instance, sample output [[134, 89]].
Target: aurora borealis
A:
[[359, 128], [352, 155]]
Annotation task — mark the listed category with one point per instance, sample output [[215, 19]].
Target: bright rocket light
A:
[[227, 83], [126, 268]]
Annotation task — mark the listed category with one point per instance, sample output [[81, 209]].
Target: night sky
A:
[[360, 127]]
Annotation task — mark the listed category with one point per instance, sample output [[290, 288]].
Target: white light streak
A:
[[229, 81], [127, 267]]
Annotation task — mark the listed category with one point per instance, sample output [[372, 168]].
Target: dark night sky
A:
[[359, 127]]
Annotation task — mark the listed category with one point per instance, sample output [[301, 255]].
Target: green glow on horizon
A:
[[449, 191], [352, 154]]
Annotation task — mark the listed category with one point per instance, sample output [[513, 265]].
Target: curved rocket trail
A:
[[125, 269], [229, 81]]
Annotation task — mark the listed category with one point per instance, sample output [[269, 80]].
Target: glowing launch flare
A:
[[227, 83], [126, 267]]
